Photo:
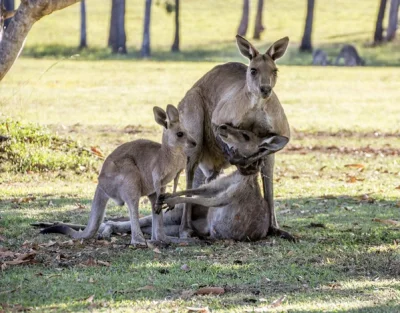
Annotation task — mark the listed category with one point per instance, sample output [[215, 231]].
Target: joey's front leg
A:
[[158, 232]]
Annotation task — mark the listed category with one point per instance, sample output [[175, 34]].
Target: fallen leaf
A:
[[23, 199], [334, 285], [185, 268], [147, 287], [90, 299], [210, 291], [97, 152], [398, 187], [186, 294], [351, 179], [156, 250], [359, 166], [6, 253], [104, 263], [49, 244], [387, 222], [277, 302], [201, 310]]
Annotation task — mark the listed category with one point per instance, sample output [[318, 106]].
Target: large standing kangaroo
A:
[[241, 96]]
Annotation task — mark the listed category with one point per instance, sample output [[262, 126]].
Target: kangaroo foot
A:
[[275, 231], [185, 233], [138, 241]]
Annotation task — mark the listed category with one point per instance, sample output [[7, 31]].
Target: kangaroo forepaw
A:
[[275, 231]]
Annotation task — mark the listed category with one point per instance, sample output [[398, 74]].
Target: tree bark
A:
[[378, 35], [117, 35], [146, 52], [175, 45], [393, 16], [29, 12], [10, 6], [83, 41], [306, 44], [258, 27], [244, 22]]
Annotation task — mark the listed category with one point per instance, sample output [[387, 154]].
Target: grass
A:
[[56, 106]]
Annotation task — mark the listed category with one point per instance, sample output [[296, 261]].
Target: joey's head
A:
[[244, 143], [174, 135], [262, 72]]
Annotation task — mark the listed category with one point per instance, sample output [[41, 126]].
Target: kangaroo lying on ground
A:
[[236, 208], [320, 58], [240, 96], [135, 169], [350, 56]]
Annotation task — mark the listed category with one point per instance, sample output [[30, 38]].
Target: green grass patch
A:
[[35, 148]]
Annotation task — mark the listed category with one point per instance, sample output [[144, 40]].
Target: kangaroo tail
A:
[[96, 217]]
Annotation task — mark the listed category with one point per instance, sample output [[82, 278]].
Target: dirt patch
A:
[[359, 151]]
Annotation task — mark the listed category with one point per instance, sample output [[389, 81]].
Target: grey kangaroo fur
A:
[[320, 58], [350, 56], [236, 208], [243, 97], [135, 169]]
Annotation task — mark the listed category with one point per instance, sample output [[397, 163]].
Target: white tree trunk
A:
[[29, 12]]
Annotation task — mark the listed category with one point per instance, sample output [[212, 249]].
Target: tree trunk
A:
[[83, 42], [117, 36], [258, 27], [112, 35], [244, 22], [393, 16], [146, 31], [378, 36], [306, 40], [10, 6], [29, 12], [175, 45]]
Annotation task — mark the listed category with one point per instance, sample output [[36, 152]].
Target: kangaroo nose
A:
[[193, 143], [266, 90]]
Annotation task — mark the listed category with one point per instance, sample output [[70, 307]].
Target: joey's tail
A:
[[96, 217]]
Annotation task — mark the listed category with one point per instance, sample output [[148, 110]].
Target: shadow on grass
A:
[[384, 55]]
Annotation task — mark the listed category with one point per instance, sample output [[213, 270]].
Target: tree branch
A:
[[28, 13]]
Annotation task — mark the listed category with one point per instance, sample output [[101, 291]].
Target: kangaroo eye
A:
[[253, 71], [275, 72], [179, 134], [246, 137]]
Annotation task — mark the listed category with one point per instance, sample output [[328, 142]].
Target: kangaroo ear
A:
[[160, 116], [246, 48], [274, 143], [173, 114], [278, 49]]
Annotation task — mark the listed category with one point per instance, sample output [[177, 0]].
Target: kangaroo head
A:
[[245, 143], [174, 134], [262, 71]]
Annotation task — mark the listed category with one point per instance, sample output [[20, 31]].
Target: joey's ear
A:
[[274, 143], [246, 48], [9, 14], [278, 49], [160, 116], [172, 114]]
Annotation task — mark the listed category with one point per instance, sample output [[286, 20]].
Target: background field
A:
[[340, 170]]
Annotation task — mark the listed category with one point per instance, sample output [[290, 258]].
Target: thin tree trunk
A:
[[29, 12], [10, 6], [258, 27], [112, 36], [146, 52], [175, 45], [393, 16], [83, 42], [117, 36], [378, 35], [244, 22], [120, 47], [306, 44]]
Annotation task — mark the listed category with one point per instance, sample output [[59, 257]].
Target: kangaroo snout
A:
[[190, 142], [265, 91]]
